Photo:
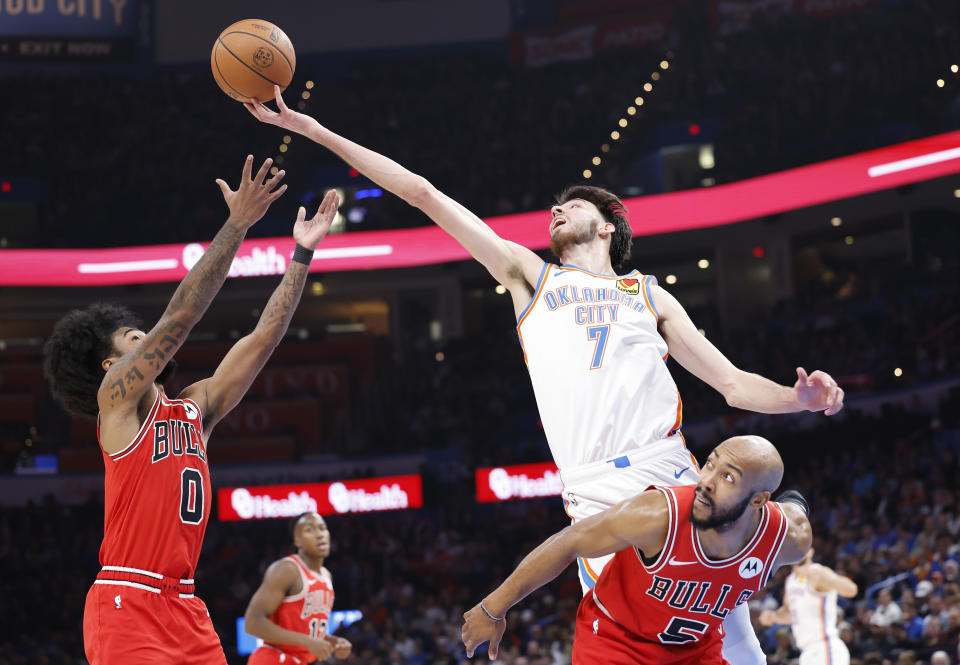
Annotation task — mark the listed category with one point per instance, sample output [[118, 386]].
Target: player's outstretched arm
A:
[[824, 580], [512, 265], [281, 579], [640, 521], [219, 394], [129, 379], [743, 390]]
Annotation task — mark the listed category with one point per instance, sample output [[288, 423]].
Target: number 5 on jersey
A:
[[599, 335]]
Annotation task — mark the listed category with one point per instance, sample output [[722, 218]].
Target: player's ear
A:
[[606, 229], [758, 499]]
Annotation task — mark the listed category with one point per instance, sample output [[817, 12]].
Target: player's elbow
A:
[[731, 386], [252, 622], [420, 192], [848, 589]]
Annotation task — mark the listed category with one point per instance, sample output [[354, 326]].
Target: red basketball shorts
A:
[[124, 625], [599, 640], [267, 655]]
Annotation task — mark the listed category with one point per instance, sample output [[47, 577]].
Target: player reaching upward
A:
[[683, 559], [291, 609], [810, 607], [595, 344], [141, 608]]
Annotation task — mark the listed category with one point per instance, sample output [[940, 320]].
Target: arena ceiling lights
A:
[[859, 174]]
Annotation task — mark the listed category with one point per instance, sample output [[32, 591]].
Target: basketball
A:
[[250, 57]]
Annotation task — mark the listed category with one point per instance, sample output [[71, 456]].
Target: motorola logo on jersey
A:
[[750, 567]]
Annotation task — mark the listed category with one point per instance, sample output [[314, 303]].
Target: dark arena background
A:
[[792, 172]]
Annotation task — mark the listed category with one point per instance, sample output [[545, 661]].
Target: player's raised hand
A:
[[309, 232], [321, 648], [818, 392], [477, 629], [283, 117], [249, 203]]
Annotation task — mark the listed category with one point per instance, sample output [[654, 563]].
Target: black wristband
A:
[[302, 255], [793, 496]]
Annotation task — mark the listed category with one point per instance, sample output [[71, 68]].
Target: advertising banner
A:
[[336, 498]]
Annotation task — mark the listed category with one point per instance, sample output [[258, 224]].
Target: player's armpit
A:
[[131, 376]]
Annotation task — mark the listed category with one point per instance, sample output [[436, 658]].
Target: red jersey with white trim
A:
[[682, 597], [157, 493], [308, 611], [597, 364]]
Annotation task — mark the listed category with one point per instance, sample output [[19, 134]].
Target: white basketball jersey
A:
[[597, 364], [813, 615]]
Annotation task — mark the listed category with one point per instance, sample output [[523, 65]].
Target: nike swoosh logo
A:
[[677, 474], [673, 562]]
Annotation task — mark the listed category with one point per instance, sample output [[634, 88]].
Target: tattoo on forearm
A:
[[279, 310], [204, 280], [169, 342]]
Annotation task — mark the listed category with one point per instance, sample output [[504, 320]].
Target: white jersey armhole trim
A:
[[538, 287], [668, 545], [304, 582], [768, 569], [140, 434]]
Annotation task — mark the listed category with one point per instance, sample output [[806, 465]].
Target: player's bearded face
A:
[[571, 234], [716, 517]]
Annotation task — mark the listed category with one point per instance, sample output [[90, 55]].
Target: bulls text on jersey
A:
[[178, 438], [695, 596]]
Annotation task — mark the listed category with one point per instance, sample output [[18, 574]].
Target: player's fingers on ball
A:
[[277, 95]]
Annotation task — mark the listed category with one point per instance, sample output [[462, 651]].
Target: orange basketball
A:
[[251, 56]]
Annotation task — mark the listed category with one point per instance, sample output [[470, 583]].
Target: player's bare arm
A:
[[514, 266], [799, 535], [780, 615], [219, 394], [282, 579], [640, 522], [744, 390], [129, 381], [825, 580]]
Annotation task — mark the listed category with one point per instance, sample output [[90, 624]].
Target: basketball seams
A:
[[237, 58], [223, 78], [265, 41]]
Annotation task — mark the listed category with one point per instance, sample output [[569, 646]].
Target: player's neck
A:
[[724, 542], [590, 257], [314, 563]]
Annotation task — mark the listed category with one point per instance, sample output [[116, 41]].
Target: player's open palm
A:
[[283, 117], [309, 232], [477, 629], [321, 648], [249, 202], [818, 392]]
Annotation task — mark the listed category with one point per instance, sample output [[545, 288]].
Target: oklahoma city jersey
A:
[[813, 615], [597, 364], [680, 599], [157, 494], [306, 612]]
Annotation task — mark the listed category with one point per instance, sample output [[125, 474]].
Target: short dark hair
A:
[[613, 211], [294, 520], [74, 354]]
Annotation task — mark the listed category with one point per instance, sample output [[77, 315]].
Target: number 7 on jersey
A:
[[598, 334]]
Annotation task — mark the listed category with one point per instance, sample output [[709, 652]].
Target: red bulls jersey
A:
[[157, 493], [308, 611], [682, 597]]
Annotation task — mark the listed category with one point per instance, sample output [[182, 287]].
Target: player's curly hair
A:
[[613, 211], [74, 353]]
